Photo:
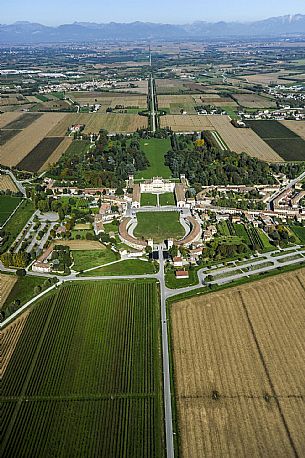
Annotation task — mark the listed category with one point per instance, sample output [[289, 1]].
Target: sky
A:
[[55, 12]]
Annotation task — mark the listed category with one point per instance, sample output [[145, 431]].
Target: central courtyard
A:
[[159, 226]]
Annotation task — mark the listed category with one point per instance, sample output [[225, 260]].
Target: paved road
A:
[[166, 369], [152, 104], [288, 186]]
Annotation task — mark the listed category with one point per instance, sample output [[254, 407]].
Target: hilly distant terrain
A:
[[27, 32]]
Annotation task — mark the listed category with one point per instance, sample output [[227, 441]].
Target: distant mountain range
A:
[[27, 32]]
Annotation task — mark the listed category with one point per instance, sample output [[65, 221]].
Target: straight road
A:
[[152, 104], [166, 369]]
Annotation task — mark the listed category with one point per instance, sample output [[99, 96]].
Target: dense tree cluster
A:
[[20, 259], [107, 164], [208, 165]]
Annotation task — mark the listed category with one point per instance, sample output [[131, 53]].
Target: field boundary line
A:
[[268, 374], [12, 214], [26, 305], [28, 377]]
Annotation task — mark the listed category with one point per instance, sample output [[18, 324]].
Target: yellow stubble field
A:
[[239, 370]]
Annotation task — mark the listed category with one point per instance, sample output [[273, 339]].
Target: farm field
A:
[[159, 226], [281, 139], [9, 341], [186, 123], [57, 153], [7, 183], [83, 245], [23, 121], [299, 231], [176, 103], [90, 373], [39, 155], [110, 99], [267, 78], [148, 200], [238, 379], [254, 101], [238, 140], [7, 283], [155, 150], [128, 267], [244, 140], [91, 258], [6, 118], [17, 223], [121, 123], [298, 127], [6, 135], [7, 205], [25, 141]]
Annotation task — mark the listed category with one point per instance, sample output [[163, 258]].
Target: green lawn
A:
[[148, 200], [7, 206], [17, 223], [167, 199], [86, 259], [128, 267], [155, 149], [159, 226], [23, 290]]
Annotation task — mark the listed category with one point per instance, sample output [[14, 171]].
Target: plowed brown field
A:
[[239, 370]]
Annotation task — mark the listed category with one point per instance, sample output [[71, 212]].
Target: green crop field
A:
[[159, 226], [148, 200], [282, 140], [16, 224], [128, 267], [167, 199], [85, 377], [155, 150], [299, 231], [7, 206]]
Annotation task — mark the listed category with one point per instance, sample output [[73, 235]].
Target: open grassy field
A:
[[238, 377], [281, 139], [148, 200], [7, 283], [23, 289], [27, 139], [92, 258], [7, 183], [155, 150], [41, 154], [128, 267], [83, 245], [7, 206], [85, 378], [159, 226]]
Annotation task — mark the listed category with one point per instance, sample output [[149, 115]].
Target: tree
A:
[[21, 272]]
